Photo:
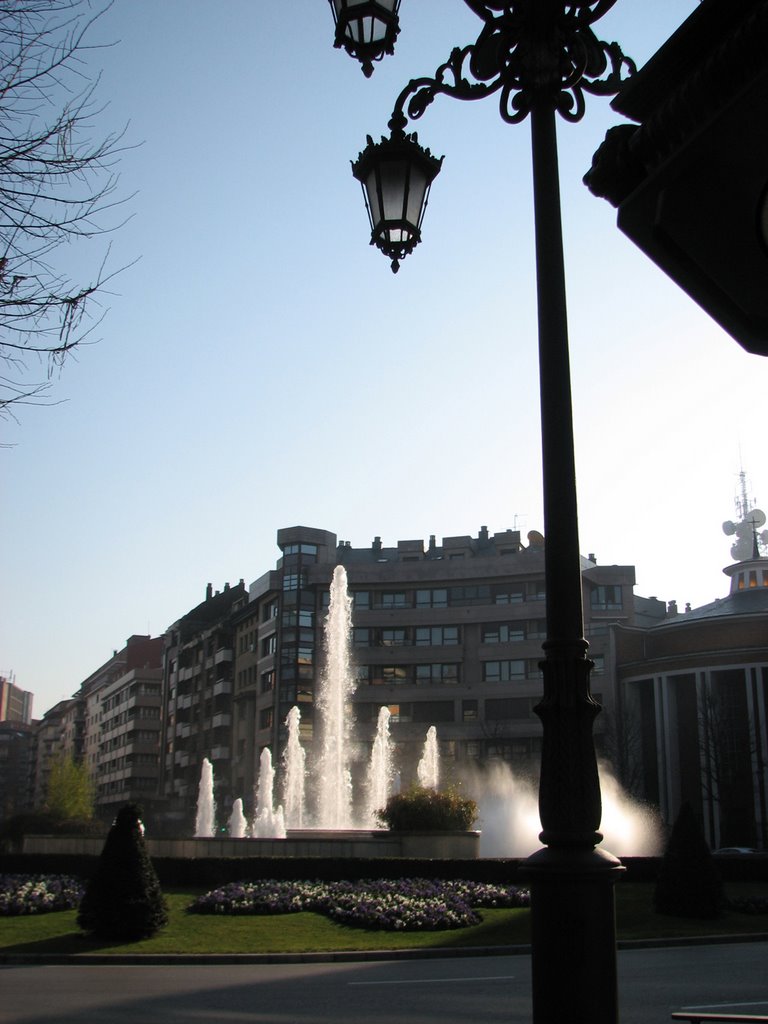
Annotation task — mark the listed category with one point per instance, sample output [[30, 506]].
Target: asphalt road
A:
[[491, 989]]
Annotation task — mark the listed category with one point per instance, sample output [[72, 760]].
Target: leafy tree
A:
[[56, 182], [689, 883], [70, 789], [123, 900]]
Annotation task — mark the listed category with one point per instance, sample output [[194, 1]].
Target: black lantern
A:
[[396, 175], [367, 29]]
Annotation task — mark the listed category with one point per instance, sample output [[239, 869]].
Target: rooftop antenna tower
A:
[[748, 543]]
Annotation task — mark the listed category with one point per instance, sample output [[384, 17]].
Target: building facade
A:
[[197, 702], [15, 703], [16, 768], [693, 709], [445, 634]]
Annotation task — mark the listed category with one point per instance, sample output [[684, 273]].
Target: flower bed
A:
[[408, 904], [38, 894]]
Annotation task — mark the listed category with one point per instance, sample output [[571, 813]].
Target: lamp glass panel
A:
[[372, 191], [394, 178], [417, 191]]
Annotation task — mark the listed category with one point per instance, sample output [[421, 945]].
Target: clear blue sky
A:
[[261, 367]]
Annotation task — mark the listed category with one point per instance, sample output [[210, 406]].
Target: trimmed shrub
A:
[[123, 900], [420, 809], [689, 883]]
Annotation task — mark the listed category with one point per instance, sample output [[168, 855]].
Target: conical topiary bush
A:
[[689, 883], [123, 900]]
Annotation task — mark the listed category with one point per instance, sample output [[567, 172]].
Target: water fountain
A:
[[205, 823], [381, 772], [268, 821], [508, 806], [428, 770], [294, 773], [337, 684], [237, 826]]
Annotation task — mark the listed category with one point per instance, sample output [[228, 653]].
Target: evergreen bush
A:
[[123, 900], [689, 883], [420, 809]]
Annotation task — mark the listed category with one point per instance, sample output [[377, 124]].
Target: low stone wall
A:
[[305, 843]]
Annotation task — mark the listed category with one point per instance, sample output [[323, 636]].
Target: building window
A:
[[535, 590], [361, 598], [391, 599], [469, 711], [361, 637], [501, 708], [300, 549], [433, 711], [302, 617], [605, 598], [513, 594], [437, 673], [503, 671], [533, 669], [266, 717], [536, 629], [502, 632], [432, 598], [269, 610], [387, 675], [437, 636], [269, 645], [397, 712], [480, 594], [392, 638]]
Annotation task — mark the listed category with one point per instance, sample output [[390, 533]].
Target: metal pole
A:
[[572, 898]]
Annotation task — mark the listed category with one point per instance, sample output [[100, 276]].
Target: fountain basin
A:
[[333, 843]]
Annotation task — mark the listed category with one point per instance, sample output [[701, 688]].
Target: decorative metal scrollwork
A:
[[529, 51]]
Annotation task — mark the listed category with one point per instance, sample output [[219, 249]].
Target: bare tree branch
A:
[[57, 184]]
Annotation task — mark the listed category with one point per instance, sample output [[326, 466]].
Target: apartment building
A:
[[445, 634], [15, 703], [123, 706], [16, 768], [197, 700]]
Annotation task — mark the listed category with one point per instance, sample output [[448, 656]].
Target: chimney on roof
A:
[[483, 535], [376, 546], [209, 592], [226, 587], [672, 608], [687, 606], [592, 558]]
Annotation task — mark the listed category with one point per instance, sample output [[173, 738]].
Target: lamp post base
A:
[[573, 935]]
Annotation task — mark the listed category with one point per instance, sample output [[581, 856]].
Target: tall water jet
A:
[[294, 773], [205, 819], [237, 824], [428, 770], [380, 773], [337, 684], [268, 822]]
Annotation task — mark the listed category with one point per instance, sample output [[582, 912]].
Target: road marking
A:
[[435, 981]]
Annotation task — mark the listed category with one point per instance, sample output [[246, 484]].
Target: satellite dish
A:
[[729, 528], [536, 539], [756, 517]]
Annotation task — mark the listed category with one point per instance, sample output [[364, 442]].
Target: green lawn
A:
[[308, 932]]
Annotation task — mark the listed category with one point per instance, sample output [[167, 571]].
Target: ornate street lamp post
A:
[[366, 29], [540, 57]]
